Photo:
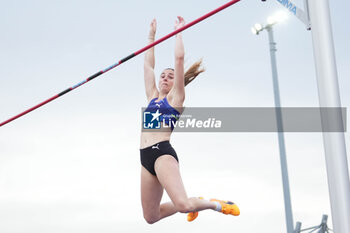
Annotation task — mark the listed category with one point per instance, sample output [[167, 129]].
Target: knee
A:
[[150, 219], [184, 206]]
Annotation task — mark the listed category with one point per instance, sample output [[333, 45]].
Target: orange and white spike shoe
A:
[[228, 207], [193, 215]]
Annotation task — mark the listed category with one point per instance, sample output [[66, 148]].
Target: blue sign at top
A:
[[289, 5]]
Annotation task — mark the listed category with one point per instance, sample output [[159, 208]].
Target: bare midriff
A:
[[151, 138]]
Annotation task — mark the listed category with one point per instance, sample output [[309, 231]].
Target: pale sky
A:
[[73, 164]]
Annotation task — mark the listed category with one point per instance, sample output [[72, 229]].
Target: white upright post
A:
[[328, 92]]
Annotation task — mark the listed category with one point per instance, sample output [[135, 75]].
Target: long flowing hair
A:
[[192, 72]]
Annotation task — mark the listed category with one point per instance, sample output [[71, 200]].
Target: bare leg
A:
[[167, 209], [168, 177], [168, 174], [151, 195]]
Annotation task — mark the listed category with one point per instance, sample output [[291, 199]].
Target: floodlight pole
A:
[[282, 148]]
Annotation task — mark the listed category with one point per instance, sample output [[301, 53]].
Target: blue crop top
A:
[[168, 113]]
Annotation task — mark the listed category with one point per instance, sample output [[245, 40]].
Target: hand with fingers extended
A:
[[180, 22], [153, 29]]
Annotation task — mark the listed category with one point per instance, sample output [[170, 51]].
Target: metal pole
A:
[[282, 149], [324, 224], [297, 227], [328, 93]]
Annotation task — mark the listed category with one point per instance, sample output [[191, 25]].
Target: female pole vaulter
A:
[[160, 166]]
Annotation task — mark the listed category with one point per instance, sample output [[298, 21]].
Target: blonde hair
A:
[[193, 72]]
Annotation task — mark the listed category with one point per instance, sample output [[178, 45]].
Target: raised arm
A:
[[179, 83], [150, 83]]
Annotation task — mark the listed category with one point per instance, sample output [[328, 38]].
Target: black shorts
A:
[[150, 154]]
